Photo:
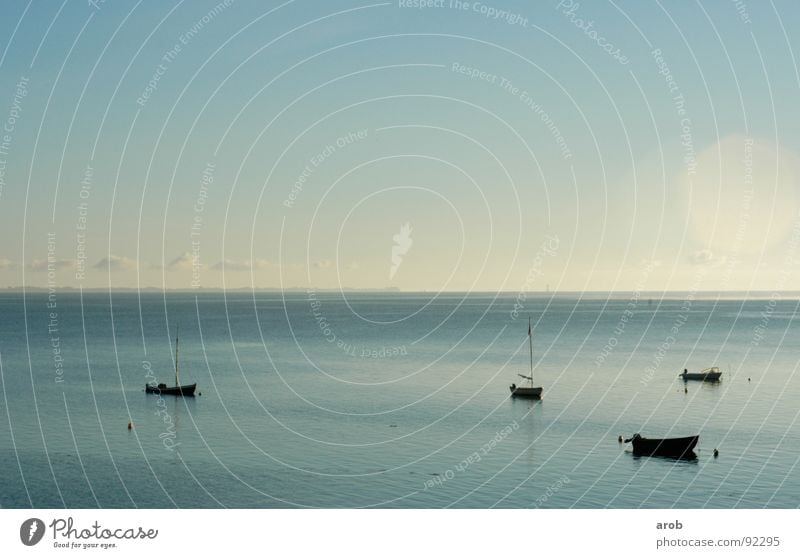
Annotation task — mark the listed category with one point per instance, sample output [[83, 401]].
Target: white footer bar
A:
[[400, 533]]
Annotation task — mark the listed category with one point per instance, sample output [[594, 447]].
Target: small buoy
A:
[[748, 379], [685, 390], [130, 425], [199, 393], [619, 439], [716, 453]]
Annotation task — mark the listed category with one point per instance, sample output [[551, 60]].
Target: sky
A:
[[433, 146]]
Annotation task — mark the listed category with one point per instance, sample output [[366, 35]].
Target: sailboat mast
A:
[[530, 344], [176, 355]]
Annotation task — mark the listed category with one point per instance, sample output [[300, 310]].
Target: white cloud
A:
[[42, 265], [7, 264], [116, 263], [323, 264], [181, 263]]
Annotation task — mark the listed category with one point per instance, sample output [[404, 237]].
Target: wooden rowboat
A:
[[667, 447]]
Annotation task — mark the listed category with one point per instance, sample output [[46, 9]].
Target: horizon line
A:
[[393, 290]]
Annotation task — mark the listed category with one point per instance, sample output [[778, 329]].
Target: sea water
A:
[[317, 399]]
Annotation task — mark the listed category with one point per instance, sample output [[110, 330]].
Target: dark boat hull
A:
[[181, 391], [530, 392], [666, 447], [704, 377]]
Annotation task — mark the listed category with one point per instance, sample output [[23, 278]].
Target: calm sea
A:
[[394, 400]]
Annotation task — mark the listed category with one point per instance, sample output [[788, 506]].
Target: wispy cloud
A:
[[116, 263], [181, 263], [706, 257], [7, 264], [42, 265], [242, 265], [323, 264]]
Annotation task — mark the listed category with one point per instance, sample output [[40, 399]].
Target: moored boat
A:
[[530, 391], [164, 389], [177, 390], [667, 447], [533, 392], [712, 374]]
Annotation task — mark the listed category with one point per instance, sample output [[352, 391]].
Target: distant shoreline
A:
[[643, 296]]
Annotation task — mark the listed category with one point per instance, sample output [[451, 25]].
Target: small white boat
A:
[[712, 374]]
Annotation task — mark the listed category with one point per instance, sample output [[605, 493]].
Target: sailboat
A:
[[177, 389], [527, 391]]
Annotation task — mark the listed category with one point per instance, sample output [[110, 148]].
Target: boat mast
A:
[[530, 344], [177, 331]]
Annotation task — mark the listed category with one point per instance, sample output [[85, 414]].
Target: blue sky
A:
[[286, 144]]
